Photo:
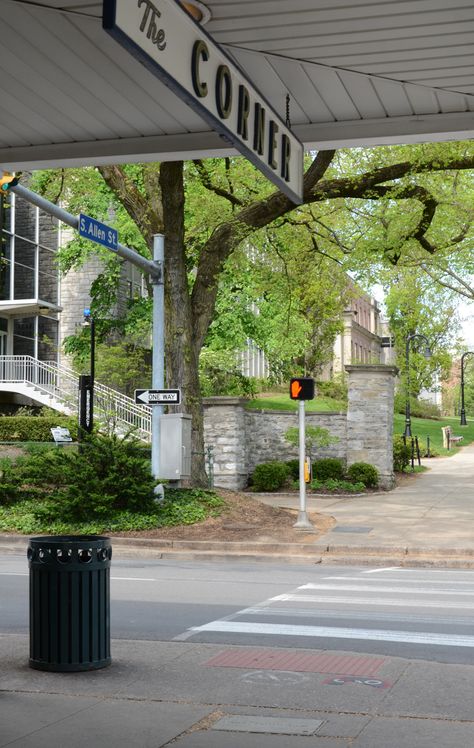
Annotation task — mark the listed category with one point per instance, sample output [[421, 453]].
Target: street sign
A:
[[149, 397], [177, 50], [97, 232]]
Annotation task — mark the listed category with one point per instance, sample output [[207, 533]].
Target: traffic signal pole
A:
[[302, 523]]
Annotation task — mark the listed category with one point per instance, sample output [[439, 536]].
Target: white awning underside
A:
[[358, 73]]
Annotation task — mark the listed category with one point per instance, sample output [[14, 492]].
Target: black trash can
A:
[[69, 602]]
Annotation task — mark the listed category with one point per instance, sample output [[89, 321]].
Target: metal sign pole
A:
[[158, 357], [302, 523]]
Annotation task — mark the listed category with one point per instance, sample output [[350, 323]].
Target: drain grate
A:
[[299, 662]]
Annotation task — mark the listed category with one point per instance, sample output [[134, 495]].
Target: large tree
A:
[[155, 198]]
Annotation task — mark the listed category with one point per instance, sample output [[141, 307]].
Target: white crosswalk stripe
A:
[[437, 611]]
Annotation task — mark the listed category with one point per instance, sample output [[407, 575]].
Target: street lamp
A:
[[427, 354], [463, 410], [86, 416]]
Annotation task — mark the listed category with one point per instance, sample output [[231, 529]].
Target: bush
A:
[[293, 468], [219, 374], [328, 467], [401, 454], [335, 388], [107, 474], [270, 476], [362, 472], [34, 428], [418, 408]]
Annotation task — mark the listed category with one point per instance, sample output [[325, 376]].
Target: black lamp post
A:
[[427, 354], [86, 418], [463, 410]]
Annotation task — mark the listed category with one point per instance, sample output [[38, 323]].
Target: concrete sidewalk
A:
[[159, 694], [427, 521]]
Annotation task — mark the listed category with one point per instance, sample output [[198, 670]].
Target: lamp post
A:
[[86, 419], [463, 410], [427, 354]]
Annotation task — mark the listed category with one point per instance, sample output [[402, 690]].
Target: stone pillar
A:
[[225, 431], [370, 418]]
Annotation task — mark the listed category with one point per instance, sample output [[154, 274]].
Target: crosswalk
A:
[[386, 610]]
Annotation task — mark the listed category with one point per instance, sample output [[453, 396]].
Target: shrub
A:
[[362, 472], [293, 468], [106, 474], [34, 428], [401, 454], [270, 476], [418, 408], [328, 467], [335, 388]]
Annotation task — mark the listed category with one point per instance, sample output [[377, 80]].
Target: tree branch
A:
[[206, 182]]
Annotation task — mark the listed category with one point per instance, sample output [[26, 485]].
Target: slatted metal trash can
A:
[[69, 602]]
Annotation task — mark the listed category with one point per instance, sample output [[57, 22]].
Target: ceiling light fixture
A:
[[199, 12]]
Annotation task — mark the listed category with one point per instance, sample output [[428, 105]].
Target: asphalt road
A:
[[425, 614]]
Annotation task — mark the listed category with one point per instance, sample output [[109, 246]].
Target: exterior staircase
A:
[[57, 387]]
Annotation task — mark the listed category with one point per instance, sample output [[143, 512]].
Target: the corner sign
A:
[[164, 38], [97, 232], [148, 397]]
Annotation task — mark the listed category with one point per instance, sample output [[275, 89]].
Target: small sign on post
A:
[[61, 435]]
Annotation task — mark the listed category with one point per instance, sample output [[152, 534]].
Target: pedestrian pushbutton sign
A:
[[302, 388]]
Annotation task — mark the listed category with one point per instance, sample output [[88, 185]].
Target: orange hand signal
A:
[[295, 389]]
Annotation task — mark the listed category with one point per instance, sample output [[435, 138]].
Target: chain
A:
[[288, 120]]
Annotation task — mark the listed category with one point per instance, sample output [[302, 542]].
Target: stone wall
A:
[[370, 418], [242, 439]]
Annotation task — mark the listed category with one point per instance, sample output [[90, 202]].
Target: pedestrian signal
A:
[[302, 388], [7, 180]]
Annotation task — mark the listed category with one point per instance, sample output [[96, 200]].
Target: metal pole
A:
[[73, 221], [463, 410], [158, 357], [302, 523], [92, 371], [407, 403]]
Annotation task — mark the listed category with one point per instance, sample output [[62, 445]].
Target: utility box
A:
[[175, 446]]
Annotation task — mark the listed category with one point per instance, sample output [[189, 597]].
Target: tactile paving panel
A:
[[300, 662]]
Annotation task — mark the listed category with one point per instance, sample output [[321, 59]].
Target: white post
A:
[[302, 523], [158, 357]]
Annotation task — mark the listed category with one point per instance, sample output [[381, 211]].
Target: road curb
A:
[[304, 553]]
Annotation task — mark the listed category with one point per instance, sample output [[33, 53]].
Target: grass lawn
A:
[[423, 427], [282, 401]]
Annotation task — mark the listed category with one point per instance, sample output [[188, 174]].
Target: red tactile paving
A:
[[300, 662]]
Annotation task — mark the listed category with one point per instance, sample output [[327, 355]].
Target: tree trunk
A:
[[181, 351]]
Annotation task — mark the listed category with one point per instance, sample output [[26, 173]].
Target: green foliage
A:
[[418, 408], [185, 506], [328, 467], [106, 474], [334, 388], [34, 428], [401, 454], [294, 468], [362, 472], [337, 485], [221, 375], [270, 476], [315, 436]]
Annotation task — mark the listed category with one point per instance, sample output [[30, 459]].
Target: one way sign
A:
[[148, 397]]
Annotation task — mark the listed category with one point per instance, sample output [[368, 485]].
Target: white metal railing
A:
[[62, 384]]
